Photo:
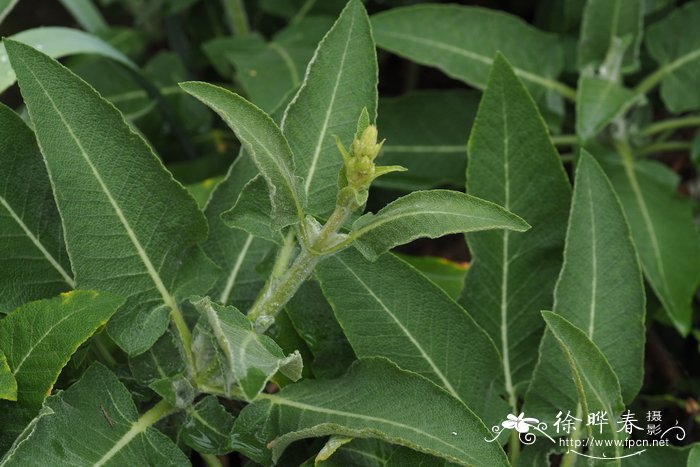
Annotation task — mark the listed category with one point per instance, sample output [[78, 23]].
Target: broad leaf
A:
[[426, 132], [313, 318], [33, 259], [374, 399], [8, 383], [603, 22], [388, 309], [596, 384], [462, 41], [599, 290], [666, 455], [340, 81], [663, 231], [97, 408], [101, 173], [57, 328], [162, 361], [251, 212], [235, 251], [208, 427], [512, 162], [269, 71], [446, 274], [58, 42], [250, 358], [678, 56], [265, 144], [429, 214], [598, 102]]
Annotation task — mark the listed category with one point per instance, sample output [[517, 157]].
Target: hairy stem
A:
[[280, 288]]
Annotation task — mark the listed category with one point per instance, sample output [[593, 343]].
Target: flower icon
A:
[[519, 423]]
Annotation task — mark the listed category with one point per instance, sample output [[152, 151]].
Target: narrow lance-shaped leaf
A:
[[58, 42], [235, 251], [678, 56], [663, 230], [389, 309], [512, 162], [251, 212], [251, 358], [98, 408], [33, 259], [462, 41], [38, 339], [340, 81], [596, 384], [368, 452], [101, 173], [599, 290], [603, 22], [265, 144], [6, 7], [374, 399], [429, 214]]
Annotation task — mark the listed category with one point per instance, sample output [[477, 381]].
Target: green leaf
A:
[[597, 386], [431, 214], [374, 399], [33, 259], [663, 231], [265, 144], [694, 456], [251, 358], [8, 383], [599, 290], [116, 241], [235, 251], [163, 360], [599, 101], [512, 162], [369, 452], [388, 309], [312, 317], [87, 15], [38, 339], [426, 132], [678, 56], [6, 7], [656, 455], [251, 212], [269, 72], [97, 408], [462, 41], [58, 42], [208, 427], [446, 274], [603, 22], [340, 81]]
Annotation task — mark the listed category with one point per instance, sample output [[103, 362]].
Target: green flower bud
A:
[[366, 145]]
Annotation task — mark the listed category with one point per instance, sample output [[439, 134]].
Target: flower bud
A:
[[366, 145]]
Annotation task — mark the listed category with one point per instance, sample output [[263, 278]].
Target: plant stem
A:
[[565, 140], [665, 146], [650, 81], [237, 17], [514, 447], [672, 124], [308, 4], [280, 288], [183, 332], [103, 351], [211, 460]]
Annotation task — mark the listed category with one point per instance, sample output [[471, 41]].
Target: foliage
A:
[[193, 268]]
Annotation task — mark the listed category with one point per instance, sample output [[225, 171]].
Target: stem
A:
[[184, 334], [308, 4], [565, 140], [665, 146], [569, 459], [211, 460], [281, 288], [103, 351], [237, 17], [513, 447], [650, 81], [671, 124]]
